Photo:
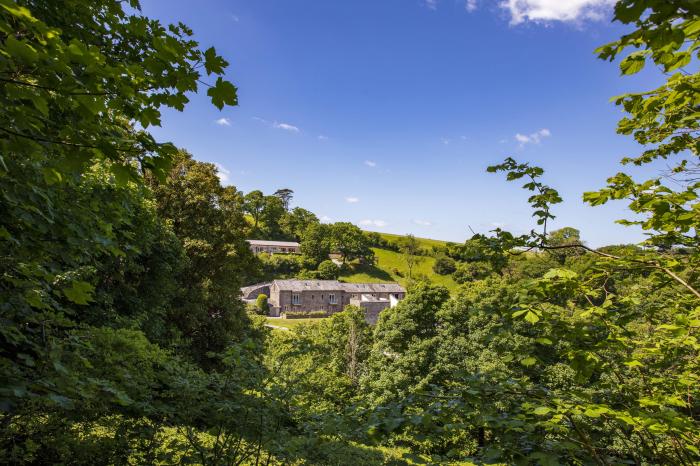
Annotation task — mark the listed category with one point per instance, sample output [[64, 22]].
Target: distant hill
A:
[[424, 242], [388, 262]]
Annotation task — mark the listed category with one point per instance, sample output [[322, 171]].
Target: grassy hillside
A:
[[425, 243], [388, 261]]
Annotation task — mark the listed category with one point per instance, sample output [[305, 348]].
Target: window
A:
[[331, 299], [296, 299]]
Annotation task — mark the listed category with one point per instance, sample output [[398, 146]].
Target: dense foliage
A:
[[123, 341]]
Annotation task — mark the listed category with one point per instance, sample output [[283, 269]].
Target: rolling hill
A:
[[389, 262]]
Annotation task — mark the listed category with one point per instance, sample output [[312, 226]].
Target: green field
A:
[[387, 261], [425, 243], [289, 323]]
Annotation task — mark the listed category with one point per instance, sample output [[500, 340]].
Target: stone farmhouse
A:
[[330, 296], [273, 247]]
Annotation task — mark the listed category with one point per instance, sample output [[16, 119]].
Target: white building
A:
[[273, 247]]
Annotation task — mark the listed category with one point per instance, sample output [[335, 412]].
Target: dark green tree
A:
[[316, 242], [350, 242], [285, 195]]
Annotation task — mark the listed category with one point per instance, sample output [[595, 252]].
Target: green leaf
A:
[[213, 63], [21, 50], [223, 93], [529, 361], [80, 292], [541, 410], [633, 63], [531, 317]]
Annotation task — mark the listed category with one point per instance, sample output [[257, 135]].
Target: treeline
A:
[[123, 341]]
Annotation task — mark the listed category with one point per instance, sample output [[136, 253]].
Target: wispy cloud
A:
[[533, 138], [278, 125], [352, 200], [223, 122], [286, 127], [223, 173], [423, 223], [470, 5], [321, 137], [370, 163], [556, 10], [235, 18], [445, 141], [373, 223], [432, 4], [326, 219]]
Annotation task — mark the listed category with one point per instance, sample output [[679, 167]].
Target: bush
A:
[[307, 275], [284, 266], [304, 314], [471, 271], [328, 270], [444, 266], [397, 272], [261, 304]]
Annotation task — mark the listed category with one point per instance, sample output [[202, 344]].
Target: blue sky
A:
[[386, 113]]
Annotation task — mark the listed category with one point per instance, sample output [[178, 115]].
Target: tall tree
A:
[[297, 221], [316, 242], [285, 195], [350, 241], [559, 240], [410, 248], [271, 216], [75, 75], [209, 222], [254, 203]]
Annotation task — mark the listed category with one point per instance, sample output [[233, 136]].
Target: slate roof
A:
[[282, 244], [334, 285]]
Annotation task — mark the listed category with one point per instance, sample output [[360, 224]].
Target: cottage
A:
[[331, 296], [273, 247]]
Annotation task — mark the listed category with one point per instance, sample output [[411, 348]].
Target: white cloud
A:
[[326, 219], [423, 223], [373, 223], [258, 119], [470, 5], [321, 137], [223, 173], [370, 163], [223, 122], [352, 200], [556, 10], [432, 4], [235, 18], [286, 127], [533, 138], [445, 141]]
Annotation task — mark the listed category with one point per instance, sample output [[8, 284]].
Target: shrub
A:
[[308, 275], [261, 304], [471, 271], [328, 270], [444, 266]]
